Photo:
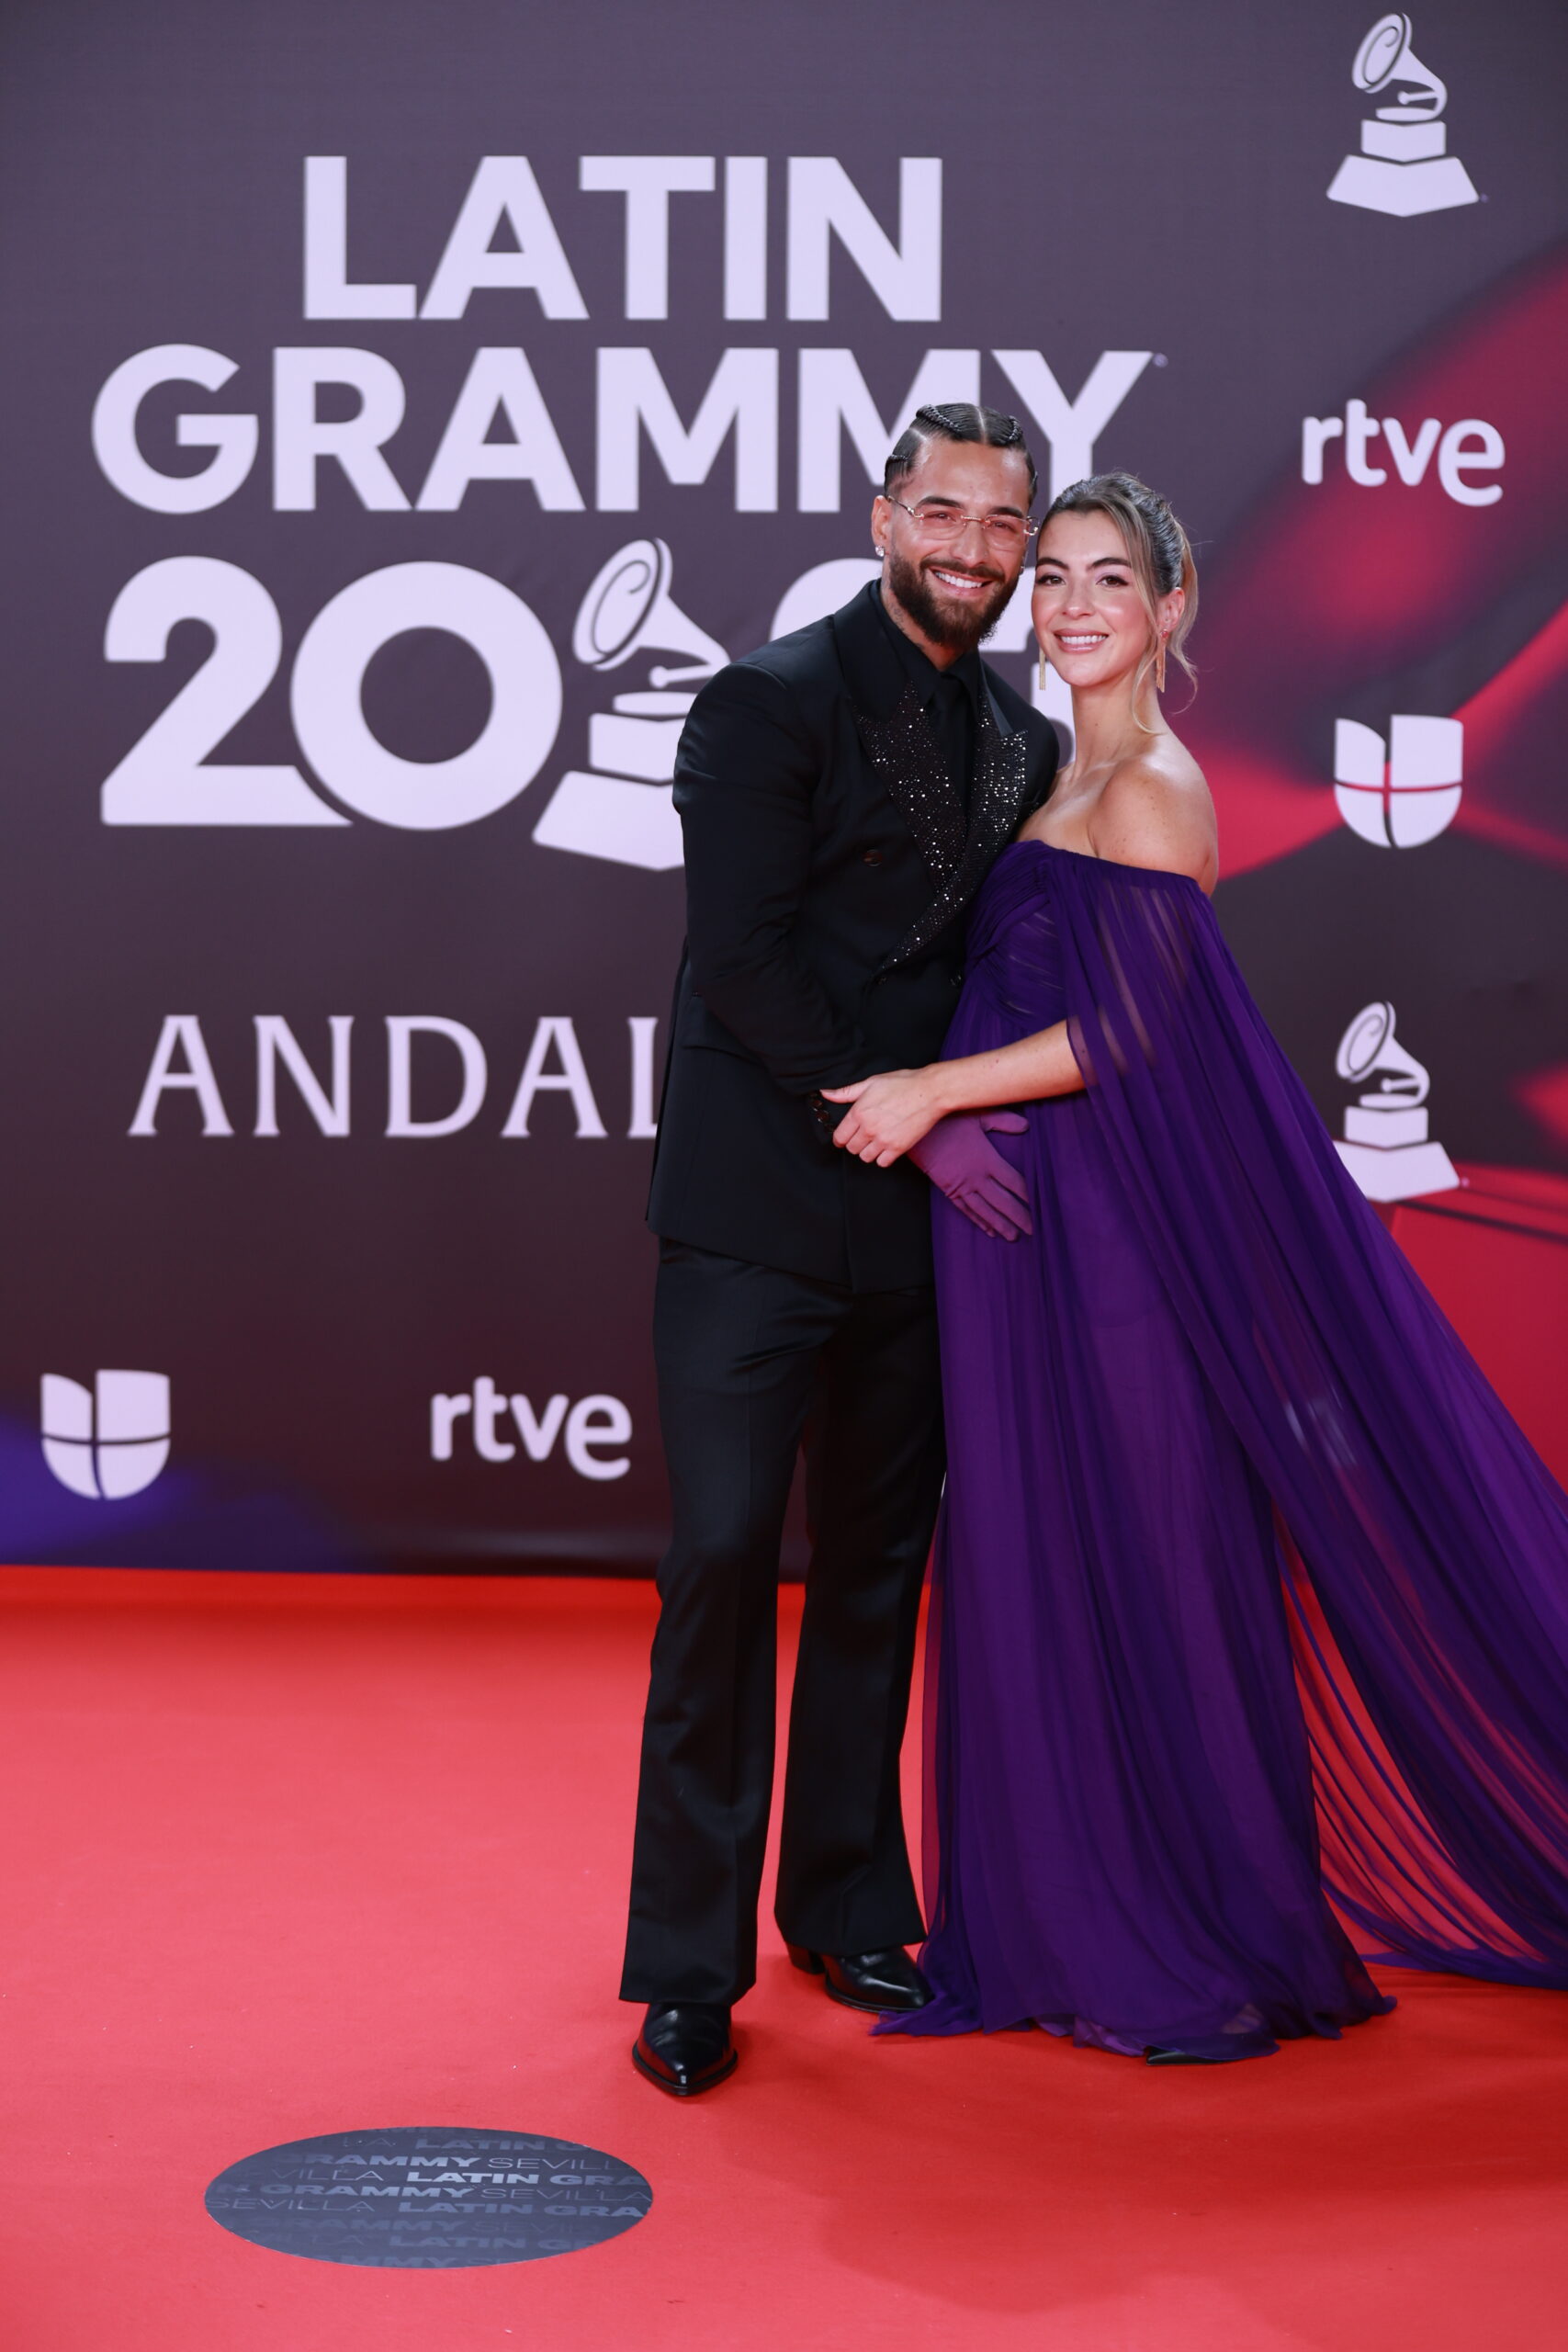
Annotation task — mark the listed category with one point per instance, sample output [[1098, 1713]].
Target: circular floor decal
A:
[[428, 2199]]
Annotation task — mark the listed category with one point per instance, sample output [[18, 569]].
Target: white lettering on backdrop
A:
[[632, 403], [834, 238], [166, 778], [826, 216], [1470, 447], [487, 1409], [428, 1055]]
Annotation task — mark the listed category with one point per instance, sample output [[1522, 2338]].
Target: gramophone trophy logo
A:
[[1387, 1147], [621, 807], [1402, 168], [1402, 792]]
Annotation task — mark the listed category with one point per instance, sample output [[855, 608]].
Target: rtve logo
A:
[[1470, 447], [591, 1423], [108, 1441]]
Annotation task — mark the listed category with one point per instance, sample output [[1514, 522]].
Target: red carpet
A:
[[285, 1856]]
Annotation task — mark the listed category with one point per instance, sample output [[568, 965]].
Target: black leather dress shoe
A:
[[877, 1980], [684, 2046]]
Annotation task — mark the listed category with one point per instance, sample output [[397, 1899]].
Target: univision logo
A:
[[108, 1441], [1402, 791]]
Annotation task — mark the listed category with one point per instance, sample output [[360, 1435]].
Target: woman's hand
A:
[[887, 1115]]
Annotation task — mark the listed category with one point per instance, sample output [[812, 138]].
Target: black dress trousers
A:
[[752, 1361]]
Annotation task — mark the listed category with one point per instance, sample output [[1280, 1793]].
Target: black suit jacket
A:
[[829, 866]]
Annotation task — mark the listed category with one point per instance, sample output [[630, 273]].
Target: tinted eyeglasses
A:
[[940, 520]]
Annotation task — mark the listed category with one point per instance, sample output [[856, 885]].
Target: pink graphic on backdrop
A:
[[1339, 585]]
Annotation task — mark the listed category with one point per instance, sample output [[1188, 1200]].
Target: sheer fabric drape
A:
[[1250, 1593]]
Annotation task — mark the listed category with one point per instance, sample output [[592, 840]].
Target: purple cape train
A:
[[1251, 1600]]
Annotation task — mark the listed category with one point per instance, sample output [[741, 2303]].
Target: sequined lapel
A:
[[996, 804], [907, 756]]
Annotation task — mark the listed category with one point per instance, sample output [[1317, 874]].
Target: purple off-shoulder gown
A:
[[1251, 1600]]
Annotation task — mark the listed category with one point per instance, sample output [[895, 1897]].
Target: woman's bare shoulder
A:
[[1156, 811]]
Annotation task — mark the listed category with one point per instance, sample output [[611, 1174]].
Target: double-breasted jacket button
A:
[[872, 857]]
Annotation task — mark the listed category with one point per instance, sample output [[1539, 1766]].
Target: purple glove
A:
[[960, 1162]]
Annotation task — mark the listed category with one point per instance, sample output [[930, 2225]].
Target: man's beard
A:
[[958, 628]]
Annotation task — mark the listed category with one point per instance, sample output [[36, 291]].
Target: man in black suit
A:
[[842, 794]]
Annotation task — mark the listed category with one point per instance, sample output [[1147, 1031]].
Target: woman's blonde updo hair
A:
[[1157, 548]]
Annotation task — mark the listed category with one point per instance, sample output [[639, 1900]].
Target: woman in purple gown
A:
[[1250, 1617]]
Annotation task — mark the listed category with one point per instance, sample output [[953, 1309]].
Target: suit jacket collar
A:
[[898, 741], [873, 671], [906, 756]]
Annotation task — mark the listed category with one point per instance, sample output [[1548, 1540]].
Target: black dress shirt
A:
[[951, 698]]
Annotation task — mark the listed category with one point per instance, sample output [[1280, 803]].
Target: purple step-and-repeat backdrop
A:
[[407, 408]]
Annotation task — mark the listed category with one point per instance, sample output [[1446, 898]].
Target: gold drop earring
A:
[[1042, 669], [1159, 668]]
